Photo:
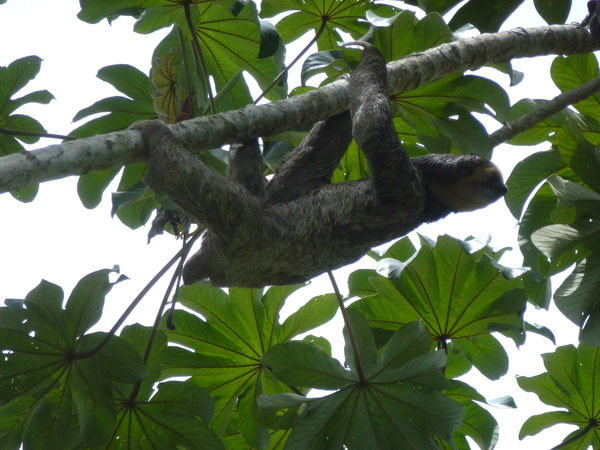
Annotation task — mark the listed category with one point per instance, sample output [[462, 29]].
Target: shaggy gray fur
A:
[[299, 225]]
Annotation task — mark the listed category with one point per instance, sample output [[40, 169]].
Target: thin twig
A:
[[287, 68], [349, 330], [137, 300]]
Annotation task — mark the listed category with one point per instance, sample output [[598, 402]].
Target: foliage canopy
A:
[[224, 370]]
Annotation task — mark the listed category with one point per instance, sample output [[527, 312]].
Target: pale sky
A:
[[57, 239]]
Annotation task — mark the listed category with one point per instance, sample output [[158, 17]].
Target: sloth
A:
[[299, 225]]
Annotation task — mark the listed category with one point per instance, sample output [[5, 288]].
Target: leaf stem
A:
[[138, 299], [575, 437], [36, 134], [188, 76], [349, 330], [295, 60], [200, 61]]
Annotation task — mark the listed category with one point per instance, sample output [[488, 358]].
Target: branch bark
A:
[[543, 112], [125, 147]]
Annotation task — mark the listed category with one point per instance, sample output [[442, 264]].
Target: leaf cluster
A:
[[233, 373], [560, 224]]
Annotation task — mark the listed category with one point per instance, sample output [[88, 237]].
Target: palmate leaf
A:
[[175, 416], [122, 111], [230, 40], [459, 293], [226, 347], [15, 77], [574, 240], [572, 382], [12, 79], [49, 384], [164, 415], [324, 17], [397, 405]]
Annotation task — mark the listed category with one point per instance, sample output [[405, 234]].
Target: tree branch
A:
[[125, 147], [546, 110]]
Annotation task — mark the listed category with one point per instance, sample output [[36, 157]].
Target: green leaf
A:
[[578, 298], [363, 352], [485, 15], [116, 361], [138, 337], [253, 433], [136, 106], [122, 112], [310, 366], [571, 382], [133, 206], [384, 306], [401, 250], [50, 424], [439, 6], [458, 295], [353, 166], [93, 11], [330, 63], [85, 304], [14, 77], [540, 330], [96, 408], [230, 41], [326, 18], [567, 244], [49, 366], [403, 34], [537, 423], [552, 11], [579, 154], [312, 314], [234, 95], [478, 423], [175, 417], [397, 406], [407, 351], [227, 346], [441, 112], [571, 71], [18, 123], [528, 174], [536, 216], [486, 354], [26, 194], [91, 186], [577, 203], [542, 131]]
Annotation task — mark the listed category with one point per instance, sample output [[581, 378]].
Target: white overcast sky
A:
[[57, 239]]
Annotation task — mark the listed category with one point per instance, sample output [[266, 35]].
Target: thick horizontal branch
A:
[[125, 147]]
